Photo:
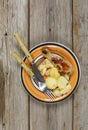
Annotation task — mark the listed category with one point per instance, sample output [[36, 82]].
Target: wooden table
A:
[[36, 21]]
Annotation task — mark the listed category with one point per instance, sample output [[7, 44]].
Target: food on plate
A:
[[66, 89], [62, 82], [57, 92], [54, 73], [62, 64], [45, 66], [67, 76], [56, 78], [51, 82]]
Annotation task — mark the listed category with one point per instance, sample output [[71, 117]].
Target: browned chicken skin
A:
[[63, 65]]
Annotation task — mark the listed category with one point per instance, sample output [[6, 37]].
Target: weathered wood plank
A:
[[2, 96], [80, 40], [14, 101], [2, 76], [50, 20]]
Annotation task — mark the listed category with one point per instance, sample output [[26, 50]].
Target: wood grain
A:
[[80, 40], [2, 76], [13, 99], [2, 96], [50, 20]]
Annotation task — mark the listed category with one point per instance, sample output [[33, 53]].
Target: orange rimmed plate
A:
[[56, 48]]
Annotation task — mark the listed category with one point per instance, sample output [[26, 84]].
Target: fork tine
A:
[[49, 94], [52, 94]]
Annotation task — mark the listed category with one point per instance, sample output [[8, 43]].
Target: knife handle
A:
[[23, 47], [22, 63]]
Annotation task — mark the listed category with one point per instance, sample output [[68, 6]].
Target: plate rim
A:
[[77, 63]]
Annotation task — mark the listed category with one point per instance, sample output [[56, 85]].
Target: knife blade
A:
[[29, 57], [36, 72]]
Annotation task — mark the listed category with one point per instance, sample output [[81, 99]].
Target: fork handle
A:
[[23, 47], [22, 63]]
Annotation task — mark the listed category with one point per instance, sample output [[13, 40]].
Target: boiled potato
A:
[[47, 72], [67, 76], [44, 71], [41, 67], [56, 92], [48, 63], [54, 81], [62, 82], [51, 82], [54, 73], [44, 66], [66, 89]]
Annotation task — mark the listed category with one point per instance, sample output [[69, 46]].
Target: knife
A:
[[29, 57]]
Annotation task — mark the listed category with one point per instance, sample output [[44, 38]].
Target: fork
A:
[[41, 86]]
